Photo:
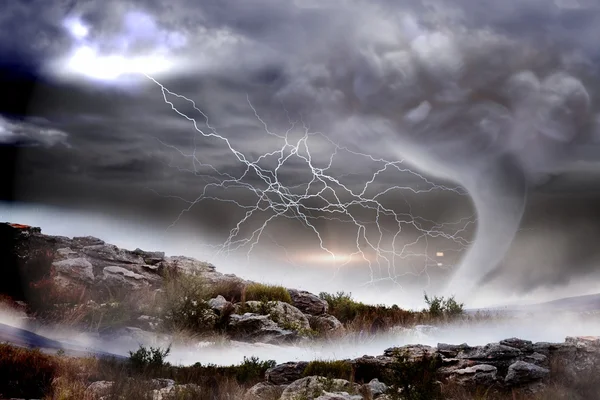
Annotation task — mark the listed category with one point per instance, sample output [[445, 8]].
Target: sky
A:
[[379, 147]]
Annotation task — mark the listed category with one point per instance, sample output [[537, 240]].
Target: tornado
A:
[[498, 192]]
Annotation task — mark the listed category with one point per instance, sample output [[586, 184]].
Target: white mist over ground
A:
[[537, 328], [132, 233]]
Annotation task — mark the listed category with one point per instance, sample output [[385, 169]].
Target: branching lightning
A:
[[340, 202]]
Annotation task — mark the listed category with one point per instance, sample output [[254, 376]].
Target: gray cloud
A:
[[498, 97]]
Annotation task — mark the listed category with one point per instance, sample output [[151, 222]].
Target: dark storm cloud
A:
[[470, 79]]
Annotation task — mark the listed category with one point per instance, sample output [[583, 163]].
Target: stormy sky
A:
[[382, 131]]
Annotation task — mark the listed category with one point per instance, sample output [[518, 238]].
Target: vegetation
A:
[[144, 359], [330, 369], [262, 292], [30, 373], [360, 316], [441, 307], [414, 379]]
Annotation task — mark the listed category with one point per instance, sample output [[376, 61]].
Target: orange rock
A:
[[19, 226]]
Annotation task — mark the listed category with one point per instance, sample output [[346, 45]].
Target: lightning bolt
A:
[[338, 201]]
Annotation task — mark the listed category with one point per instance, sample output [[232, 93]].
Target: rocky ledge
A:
[[509, 364], [92, 265]]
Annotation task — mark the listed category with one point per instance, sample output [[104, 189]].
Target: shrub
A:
[[232, 290], [262, 292], [25, 373], [144, 359], [184, 305], [252, 369], [359, 316], [330, 369], [439, 307], [414, 379]]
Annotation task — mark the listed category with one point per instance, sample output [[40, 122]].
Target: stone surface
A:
[[325, 323], [338, 396], [218, 303], [308, 303], [283, 314], [522, 372], [377, 388], [264, 391], [75, 268], [258, 328], [314, 386], [286, 373]]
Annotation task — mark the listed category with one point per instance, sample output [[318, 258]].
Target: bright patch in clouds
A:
[[88, 61], [140, 48], [77, 29]]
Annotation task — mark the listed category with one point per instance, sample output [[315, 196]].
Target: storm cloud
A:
[[497, 99]]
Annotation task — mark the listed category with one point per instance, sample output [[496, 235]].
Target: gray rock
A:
[[481, 374], [308, 303], [522, 372], [258, 328], [492, 351], [377, 388], [325, 323], [314, 386], [264, 391], [286, 373], [338, 396], [119, 276], [218, 303], [452, 350], [283, 314], [523, 345], [537, 359], [78, 269]]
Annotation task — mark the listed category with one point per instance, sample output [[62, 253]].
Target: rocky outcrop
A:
[[283, 314], [258, 328], [325, 323], [88, 262], [157, 389], [314, 386], [264, 391], [286, 373], [308, 303]]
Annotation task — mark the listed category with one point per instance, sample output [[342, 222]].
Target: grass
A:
[[262, 292], [330, 369], [359, 316], [30, 373]]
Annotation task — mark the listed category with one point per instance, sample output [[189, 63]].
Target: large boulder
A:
[[258, 328], [312, 387], [219, 303], [78, 269], [286, 373], [264, 391], [521, 372], [121, 277], [284, 314], [481, 374], [325, 323], [308, 303]]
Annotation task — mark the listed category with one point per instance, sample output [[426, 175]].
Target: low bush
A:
[[441, 307], [25, 373], [414, 379], [262, 292], [145, 359], [330, 369], [362, 317]]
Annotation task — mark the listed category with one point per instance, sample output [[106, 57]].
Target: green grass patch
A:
[[262, 292]]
